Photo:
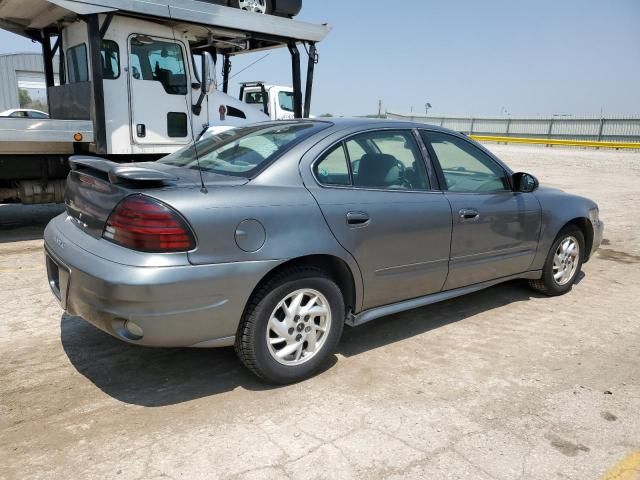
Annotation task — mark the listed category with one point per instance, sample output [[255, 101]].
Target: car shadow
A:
[[26, 222], [156, 377], [395, 328]]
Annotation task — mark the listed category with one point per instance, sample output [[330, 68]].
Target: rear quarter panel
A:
[[292, 221]]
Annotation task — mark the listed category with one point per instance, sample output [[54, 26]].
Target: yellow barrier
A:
[[554, 141]]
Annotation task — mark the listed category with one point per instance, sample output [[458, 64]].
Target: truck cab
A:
[[161, 89], [276, 101], [138, 81]]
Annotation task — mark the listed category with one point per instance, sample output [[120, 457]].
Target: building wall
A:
[[11, 66]]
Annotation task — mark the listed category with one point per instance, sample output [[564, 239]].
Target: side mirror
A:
[[208, 73], [208, 84], [525, 182]]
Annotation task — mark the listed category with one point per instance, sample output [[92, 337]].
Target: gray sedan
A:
[[272, 237]]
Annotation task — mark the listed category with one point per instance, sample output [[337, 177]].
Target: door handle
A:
[[358, 219], [469, 214]]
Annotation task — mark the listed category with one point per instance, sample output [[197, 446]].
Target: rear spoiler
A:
[[117, 173]]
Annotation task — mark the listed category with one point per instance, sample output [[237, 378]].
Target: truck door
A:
[[282, 101], [159, 91]]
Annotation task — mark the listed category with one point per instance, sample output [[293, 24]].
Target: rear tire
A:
[[291, 325], [563, 264]]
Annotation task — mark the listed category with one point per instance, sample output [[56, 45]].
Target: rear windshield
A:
[[242, 152]]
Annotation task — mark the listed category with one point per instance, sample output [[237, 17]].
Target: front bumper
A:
[[598, 235], [166, 306]]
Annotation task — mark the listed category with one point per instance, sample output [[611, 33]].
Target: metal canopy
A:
[[230, 30]]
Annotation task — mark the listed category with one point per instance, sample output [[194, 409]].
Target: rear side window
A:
[[77, 68], [332, 169], [110, 60], [388, 160]]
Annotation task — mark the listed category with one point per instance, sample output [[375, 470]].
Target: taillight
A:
[[142, 223]]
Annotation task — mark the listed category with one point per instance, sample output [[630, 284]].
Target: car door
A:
[[374, 191], [160, 95], [495, 230]]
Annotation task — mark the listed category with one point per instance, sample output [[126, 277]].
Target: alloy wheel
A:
[[566, 260], [257, 6], [298, 327]]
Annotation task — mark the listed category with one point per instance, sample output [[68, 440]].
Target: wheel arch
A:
[[334, 266], [584, 224]]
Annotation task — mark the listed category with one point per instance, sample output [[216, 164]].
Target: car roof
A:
[[344, 123]]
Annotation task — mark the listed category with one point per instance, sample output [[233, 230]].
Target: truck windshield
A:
[[242, 152]]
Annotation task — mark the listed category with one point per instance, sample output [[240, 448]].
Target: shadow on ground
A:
[[160, 377], [26, 222]]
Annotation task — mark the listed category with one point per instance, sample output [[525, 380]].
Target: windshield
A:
[[242, 152]]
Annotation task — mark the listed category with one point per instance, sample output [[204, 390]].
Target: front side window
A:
[[243, 151], [387, 159], [286, 101], [77, 67], [159, 61], [466, 168]]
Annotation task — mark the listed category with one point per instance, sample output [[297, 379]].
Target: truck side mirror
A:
[[208, 73], [208, 84]]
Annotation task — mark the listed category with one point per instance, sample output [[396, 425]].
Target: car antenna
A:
[[203, 187]]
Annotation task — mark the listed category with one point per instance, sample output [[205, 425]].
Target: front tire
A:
[[563, 264], [291, 325]]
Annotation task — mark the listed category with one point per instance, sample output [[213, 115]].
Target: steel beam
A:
[[297, 80], [95, 60]]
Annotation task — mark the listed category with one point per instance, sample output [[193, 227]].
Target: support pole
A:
[[105, 25], [226, 71], [47, 55], [297, 80], [97, 87], [313, 59], [61, 64]]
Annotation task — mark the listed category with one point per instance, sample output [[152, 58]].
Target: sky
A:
[[465, 57]]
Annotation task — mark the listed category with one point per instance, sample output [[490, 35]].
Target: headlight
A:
[[594, 215]]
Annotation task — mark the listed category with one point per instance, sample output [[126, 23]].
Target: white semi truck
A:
[[138, 81], [276, 101]]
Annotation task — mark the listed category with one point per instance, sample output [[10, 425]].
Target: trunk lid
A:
[[95, 186]]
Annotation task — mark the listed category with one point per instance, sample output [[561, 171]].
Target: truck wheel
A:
[[291, 325], [257, 6], [563, 263]]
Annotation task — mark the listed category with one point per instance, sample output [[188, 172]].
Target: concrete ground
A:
[[502, 384]]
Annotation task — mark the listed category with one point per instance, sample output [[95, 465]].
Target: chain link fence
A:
[[606, 129]]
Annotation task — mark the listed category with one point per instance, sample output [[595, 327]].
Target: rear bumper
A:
[[168, 306]]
